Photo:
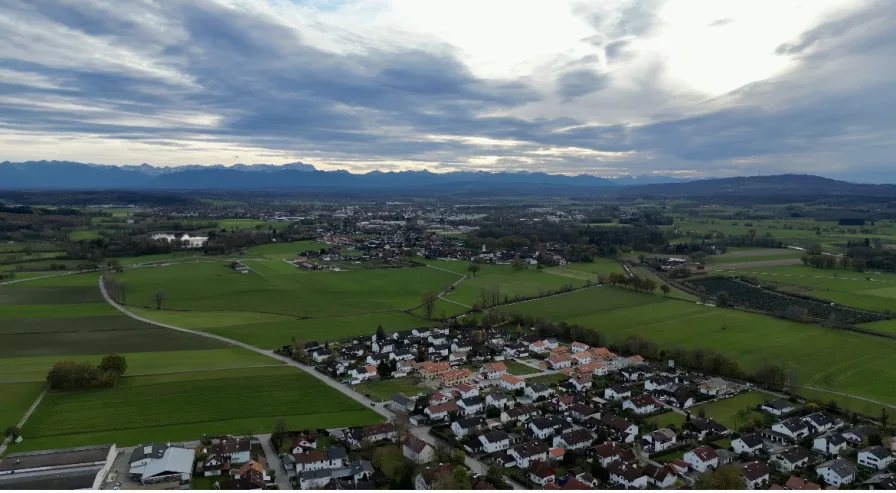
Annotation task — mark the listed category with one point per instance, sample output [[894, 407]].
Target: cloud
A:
[[372, 84]]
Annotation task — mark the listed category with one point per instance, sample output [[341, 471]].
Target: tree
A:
[[665, 289], [473, 269], [722, 299], [383, 369], [158, 296], [380, 333], [517, 264], [428, 298], [402, 425], [495, 477], [114, 363], [458, 457], [12, 432], [884, 419], [726, 477], [280, 431]]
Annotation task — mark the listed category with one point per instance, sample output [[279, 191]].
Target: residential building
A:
[[659, 440], [791, 458], [574, 440], [493, 371], [837, 472], [832, 443], [440, 411], [756, 475], [452, 378], [466, 426], [778, 407], [495, 441], [529, 452], [627, 475], [617, 392], [642, 404], [661, 476], [875, 457], [619, 428], [471, 405], [417, 450], [793, 428], [749, 444], [702, 459], [511, 382], [541, 473]]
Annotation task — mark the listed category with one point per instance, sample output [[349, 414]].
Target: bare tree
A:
[[402, 426], [279, 433], [428, 298], [158, 296]]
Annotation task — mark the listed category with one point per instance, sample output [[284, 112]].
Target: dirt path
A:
[[24, 419]]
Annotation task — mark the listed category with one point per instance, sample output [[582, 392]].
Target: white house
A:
[[627, 475], [544, 427], [320, 355], [496, 399], [578, 347], [837, 472], [642, 404], [471, 405], [363, 373], [511, 382], [661, 477], [574, 439], [876, 457], [791, 458], [538, 390], [494, 441], [794, 428], [821, 422], [778, 407], [417, 450], [440, 411], [701, 459], [463, 427], [830, 443], [658, 382], [529, 452], [747, 445], [617, 392], [493, 371], [315, 460], [756, 474], [659, 440]]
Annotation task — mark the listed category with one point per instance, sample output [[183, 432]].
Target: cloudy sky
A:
[[610, 87]]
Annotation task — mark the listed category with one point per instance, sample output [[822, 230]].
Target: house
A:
[[749, 444], [452, 378], [303, 442], [680, 466], [363, 373], [522, 414], [581, 383], [495, 441], [538, 347], [541, 474], [681, 397], [837, 472], [529, 452], [376, 359], [582, 358], [704, 427], [426, 479], [858, 434], [440, 411], [471, 405], [546, 426], [574, 440], [465, 426], [797, 484], [439, 352], [830, 443], [315, 460], [820, 422], [793, 428], [875, 457], [659, 440], [642, 404], [465, 390], [658, 382], [250, 476], [558, 361], [386, 346], [383, 432], [493, 371], [609, 452], [418, 451], [225, 454], [457, 357], [400, 403], [778, 407], [581, 412], [756, 474], [320, 355], [881, 482], [511, 383], [439, 398], [702, 459], [791, 458], [578, 347], [538, 390], [627, 475], [713, 387], [660, 476], [619, 428], [617, 392], [401, 355], [462, 345], [431, 370], [496, 399], [635, 373]]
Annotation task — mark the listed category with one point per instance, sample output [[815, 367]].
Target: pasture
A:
[[385, 389], [869, 291], [509, 282], [849, 362], [284, 250], [17, 399], [184, 406], [216, 287]]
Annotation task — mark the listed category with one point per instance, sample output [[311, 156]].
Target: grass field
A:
[[871, 291], [529, 282], [385, 389], [725, 411], [17, 398], [216, 287], [519, 369], [667, 419], [186, 405], [284, 250], [34, 369], [857, 364]]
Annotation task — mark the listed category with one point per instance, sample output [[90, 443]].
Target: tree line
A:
[[71, 375]]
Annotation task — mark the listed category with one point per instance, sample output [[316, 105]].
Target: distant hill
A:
[[789, 185]]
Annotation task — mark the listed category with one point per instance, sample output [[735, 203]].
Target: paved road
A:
[[21, 423], [281, 477], [420, 431]]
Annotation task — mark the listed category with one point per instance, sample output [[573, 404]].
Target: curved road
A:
[[420, 431]]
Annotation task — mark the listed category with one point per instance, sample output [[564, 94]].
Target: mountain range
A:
[[67, 175]]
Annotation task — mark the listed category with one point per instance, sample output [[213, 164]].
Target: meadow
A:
[[511, 283], [17, 399], [284, 250], [870, 291], [184, 406], [385, 389], [848, 362], [215, 287]]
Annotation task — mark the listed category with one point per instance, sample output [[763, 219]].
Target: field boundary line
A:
[[24, 419], [176, 372]]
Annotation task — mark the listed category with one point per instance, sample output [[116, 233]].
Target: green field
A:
[[519, 369], [857, 364], [385, 389], [667, 419], [284, 250], [725, 411], [185, 406], [34, 369], [529, 282], [216, 287], [871, 291], [16, 399]]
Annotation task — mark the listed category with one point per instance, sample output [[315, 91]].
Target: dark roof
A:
[[877, 451], [835, 439], [468, 423], [496, 436], [530, 449], [705, 453], [472, 401], [54, 458], [625, 470], [582, 409], [621, 388], [751, 440], [415, 444], [401, 400], [793, 424], [545, 422], [778, 404], [862, 431], [615, 422], [577, 436], [840, 467], [153, 450], [883, 482], [794, 455], [704, 425], [539, 388], [820, 418], [755, 470], [63, 480]]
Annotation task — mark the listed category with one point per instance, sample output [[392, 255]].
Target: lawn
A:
[[186, 405], [385, 389], [17, 398], [216, 287], [846, 287], [550, 380], [519, 369], [857, 364], [510, 283], [601, 266], [284, 250], [34, 369], [725, 411], [275, 334], [667, 419], [390, 460]]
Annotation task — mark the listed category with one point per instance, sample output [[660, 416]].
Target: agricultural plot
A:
[[848, 362], [17, 399], [185, 406], [216, 287], [284, 250], [510, 283], [755, 255], [599, 266], [747, 295], [868, 291], [385, 389]]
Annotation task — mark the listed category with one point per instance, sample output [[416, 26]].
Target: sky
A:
[[690, 88]]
